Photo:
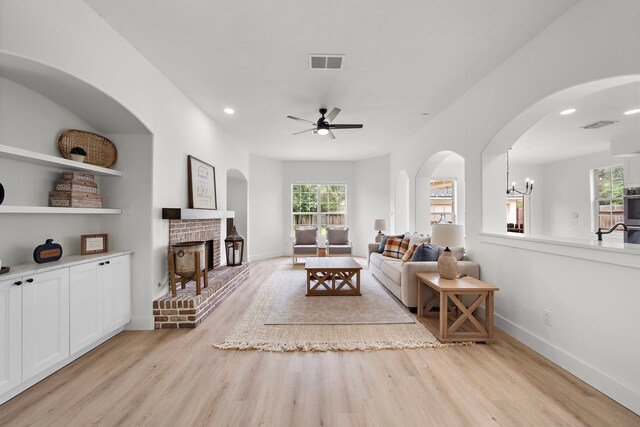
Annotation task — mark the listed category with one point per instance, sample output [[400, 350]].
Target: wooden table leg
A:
[[358, 282], [444, 312], [488, 315], [420, 297]]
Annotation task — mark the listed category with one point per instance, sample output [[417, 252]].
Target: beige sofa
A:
[[400, 278]]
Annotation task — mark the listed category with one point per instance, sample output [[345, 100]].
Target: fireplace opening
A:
[[209, 245]]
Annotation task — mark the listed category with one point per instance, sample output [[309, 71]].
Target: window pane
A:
[[441, 198]]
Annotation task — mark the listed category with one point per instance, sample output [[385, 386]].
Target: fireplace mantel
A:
[[180, 213]]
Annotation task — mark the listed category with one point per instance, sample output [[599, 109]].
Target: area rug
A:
[[251, 332], [292, 307]]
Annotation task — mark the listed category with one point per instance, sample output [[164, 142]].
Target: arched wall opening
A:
[[448, 169], [237, 201], [401, 209], [494, 214]]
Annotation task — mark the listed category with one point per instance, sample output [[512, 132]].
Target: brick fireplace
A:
[[186, 309]]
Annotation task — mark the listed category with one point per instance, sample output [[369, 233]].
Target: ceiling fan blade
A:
[[301, 120], [303, 131], [345, 126], [331, 135], [332, 115]]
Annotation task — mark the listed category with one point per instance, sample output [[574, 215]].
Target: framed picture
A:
[[94, 244], [202, 185]]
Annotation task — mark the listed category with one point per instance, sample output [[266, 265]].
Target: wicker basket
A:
[[76, 186], [100, 150], [78, 176], [66, 199]]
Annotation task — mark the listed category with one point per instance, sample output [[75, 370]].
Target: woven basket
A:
[[100, 150]]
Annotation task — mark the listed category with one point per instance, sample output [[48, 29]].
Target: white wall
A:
[[571, 194], [401, 219], [266, 203], [103, 59], [237, 201], [575, 49]]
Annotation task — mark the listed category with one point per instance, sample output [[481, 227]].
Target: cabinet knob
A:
[[102, 263], [18, 283], [29, 280], [107, 262]]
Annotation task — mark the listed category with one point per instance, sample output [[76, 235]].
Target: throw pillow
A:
[[306, 236], [395, 247], [337, 236], [407, 255], [383, 241], [426, 252], [418, 239]]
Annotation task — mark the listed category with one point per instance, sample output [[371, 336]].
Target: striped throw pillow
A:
[[407, 255], [396, 247]]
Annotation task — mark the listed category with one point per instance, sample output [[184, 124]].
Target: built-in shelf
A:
[[180, 213], [52, 210], [9, 152]]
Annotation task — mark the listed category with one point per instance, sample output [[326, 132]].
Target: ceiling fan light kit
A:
[[324, 124]]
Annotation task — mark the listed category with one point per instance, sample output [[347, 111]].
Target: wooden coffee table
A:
[[453, 290], [332, 276]]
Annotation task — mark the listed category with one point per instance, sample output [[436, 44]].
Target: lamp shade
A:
[[447, 235], [379, 224]]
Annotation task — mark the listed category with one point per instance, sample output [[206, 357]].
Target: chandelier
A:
[[512, 191]]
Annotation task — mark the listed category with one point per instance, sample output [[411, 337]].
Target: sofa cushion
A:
[[426, 252], [337, 236], [396, 247], [339, 249], [306, 236], [393, 270], [305, 249]]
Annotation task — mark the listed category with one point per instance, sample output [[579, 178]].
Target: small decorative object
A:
[[380, 225], [188, 260], [100, 151], [447, 235], [234, 248], [77, 154], [94, 244], [202, 184], [76, 186], [47, 252], [75, 190], [4, 270], [78, 176], [1, 193]]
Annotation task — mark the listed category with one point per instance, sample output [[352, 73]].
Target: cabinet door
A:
[[632, 171], [45, 321], [10, 334], [85, 305], [116, 276]]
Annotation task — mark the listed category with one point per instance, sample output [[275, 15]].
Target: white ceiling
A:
[[403, 58], [557, 137]]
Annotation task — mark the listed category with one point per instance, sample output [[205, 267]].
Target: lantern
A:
[[234, 248]]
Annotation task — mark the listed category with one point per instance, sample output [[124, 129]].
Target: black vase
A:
[[1, 193]]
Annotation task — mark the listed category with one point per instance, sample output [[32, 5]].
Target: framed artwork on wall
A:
[[94, 244], [202, 185]]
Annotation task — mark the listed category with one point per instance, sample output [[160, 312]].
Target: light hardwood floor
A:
[[176, 378]]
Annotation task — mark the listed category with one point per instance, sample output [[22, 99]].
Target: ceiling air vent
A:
[[598, 124], [326, 62]]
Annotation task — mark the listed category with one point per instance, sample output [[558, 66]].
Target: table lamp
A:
[[380, 225], [447, 235]]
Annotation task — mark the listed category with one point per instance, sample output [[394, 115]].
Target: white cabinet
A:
[[100, 300], [85, 305], [45, 321], [632, 171], [10, 334], [116, 279]]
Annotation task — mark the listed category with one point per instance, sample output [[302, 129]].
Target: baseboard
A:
[[607, 385], [268, 255], [140, 323]]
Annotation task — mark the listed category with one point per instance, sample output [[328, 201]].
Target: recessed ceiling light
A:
[[229, 110], [635, 111], [569, 111]]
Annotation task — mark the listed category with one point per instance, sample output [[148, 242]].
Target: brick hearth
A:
[[189, 230], [188, 310]]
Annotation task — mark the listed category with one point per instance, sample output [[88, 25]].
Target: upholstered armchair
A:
[[305, 243], [338, 243]]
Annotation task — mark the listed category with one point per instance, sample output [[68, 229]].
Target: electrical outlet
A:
[[548, 317]]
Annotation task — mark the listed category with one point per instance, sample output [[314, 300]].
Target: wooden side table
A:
[[452, 290]]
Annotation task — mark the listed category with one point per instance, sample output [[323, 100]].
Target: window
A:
[[319, 205], [607, 190], [442, 200]]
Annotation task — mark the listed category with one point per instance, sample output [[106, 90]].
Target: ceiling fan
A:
[[324, 124]]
